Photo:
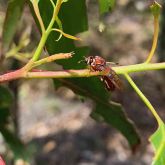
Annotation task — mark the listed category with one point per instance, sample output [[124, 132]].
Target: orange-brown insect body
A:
[[111, 80]]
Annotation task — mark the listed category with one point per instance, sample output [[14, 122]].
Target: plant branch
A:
[[138, 67], [77, 73], [37, 53], [13, 75], [20, 57], [53, 58], [63, 74], [55, 15], [143, 97], [48, 74], [44, 37]]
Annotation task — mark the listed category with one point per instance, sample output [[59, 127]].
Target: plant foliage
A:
[[73, 22], [106, 5], [6, 100], [70, 18], [158, 141], [13, 15]]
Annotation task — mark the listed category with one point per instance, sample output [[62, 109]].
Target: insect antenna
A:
[[82, 60]]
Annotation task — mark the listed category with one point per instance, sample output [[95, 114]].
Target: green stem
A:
[[55, 14], [40, 47], [62, 74], [143, 97], [44, 37], [138, 67], [155, 38], [48, 30], [37, 53], [80, 73]]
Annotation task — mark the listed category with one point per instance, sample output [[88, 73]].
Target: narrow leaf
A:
[[13, 14], [14, 143], [6, 100]]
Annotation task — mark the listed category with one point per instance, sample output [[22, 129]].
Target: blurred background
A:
[[55, 124]]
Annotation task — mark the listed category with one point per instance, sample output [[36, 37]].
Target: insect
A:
[[111, 80]]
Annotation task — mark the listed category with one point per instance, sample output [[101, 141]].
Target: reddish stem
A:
[[1, 161], [13, 75], [21, 73]]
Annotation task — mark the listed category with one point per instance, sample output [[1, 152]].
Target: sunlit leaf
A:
[[158, 141]]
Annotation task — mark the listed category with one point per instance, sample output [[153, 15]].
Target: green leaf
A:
[[106, 6], [13, 14], [6, 97], [14, 143], [158, 141], [73, 16], [106, 111], [5, 104], [112, 113], [6, 100]]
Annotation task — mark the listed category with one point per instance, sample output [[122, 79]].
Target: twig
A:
[[155, 8], [144, 98], [53, 58]]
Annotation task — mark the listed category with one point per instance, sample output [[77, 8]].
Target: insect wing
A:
[[115, 79], [108, 83]]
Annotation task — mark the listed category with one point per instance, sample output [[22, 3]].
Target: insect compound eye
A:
[[90, 60]]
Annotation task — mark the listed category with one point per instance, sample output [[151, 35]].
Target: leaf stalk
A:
[[144, 98]]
